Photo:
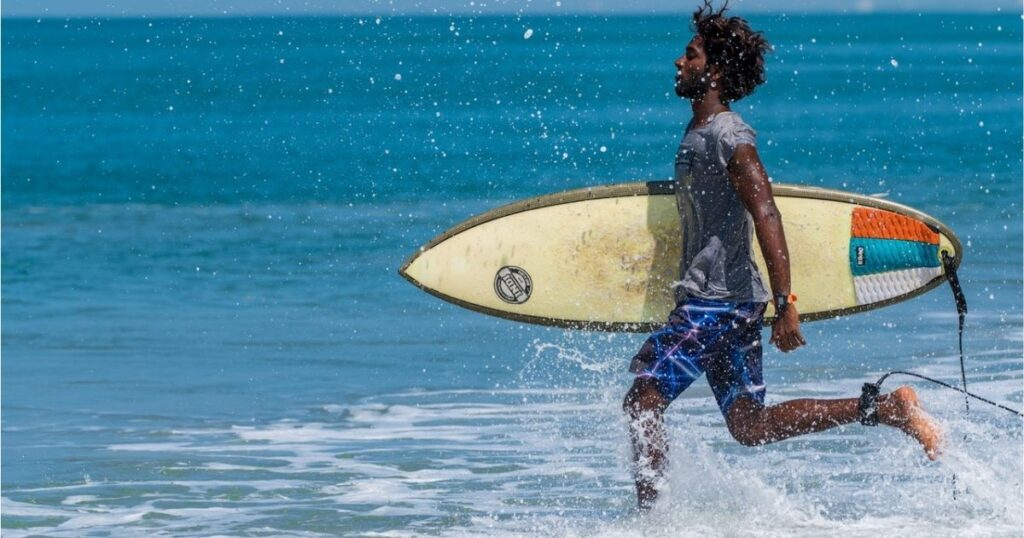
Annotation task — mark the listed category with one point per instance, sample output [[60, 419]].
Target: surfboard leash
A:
[[874, 387], [868, 405]]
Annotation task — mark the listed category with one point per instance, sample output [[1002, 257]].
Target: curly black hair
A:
[[736, 49]]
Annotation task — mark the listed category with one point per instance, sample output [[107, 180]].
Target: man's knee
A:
[[643, 397], [745, 420]]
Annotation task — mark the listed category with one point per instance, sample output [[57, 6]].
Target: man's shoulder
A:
[[730, 130], [731, 121]]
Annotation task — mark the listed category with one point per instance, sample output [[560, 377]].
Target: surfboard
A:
[[606, 258]]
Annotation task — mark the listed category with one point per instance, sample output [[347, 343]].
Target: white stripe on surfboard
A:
[[882, 286]]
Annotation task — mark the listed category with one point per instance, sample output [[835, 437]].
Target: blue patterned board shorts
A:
[[717, 338]]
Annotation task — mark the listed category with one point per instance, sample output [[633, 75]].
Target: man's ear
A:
[[715, 73]]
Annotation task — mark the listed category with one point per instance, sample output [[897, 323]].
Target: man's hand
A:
[[786, 330]]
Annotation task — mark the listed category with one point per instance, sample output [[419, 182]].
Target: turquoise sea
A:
[[204, 332]]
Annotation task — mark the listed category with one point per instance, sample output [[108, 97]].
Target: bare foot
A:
[[901, 409]]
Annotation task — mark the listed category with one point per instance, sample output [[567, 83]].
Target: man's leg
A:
[[751, 423], [645, 407]]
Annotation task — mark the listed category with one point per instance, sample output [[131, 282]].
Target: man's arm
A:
[[750, 180]]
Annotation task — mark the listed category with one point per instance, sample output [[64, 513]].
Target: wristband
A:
[[782, 302]]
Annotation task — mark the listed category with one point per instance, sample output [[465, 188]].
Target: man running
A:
[[724, 196]]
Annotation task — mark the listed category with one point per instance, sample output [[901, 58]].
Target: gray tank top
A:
[[718, 261]]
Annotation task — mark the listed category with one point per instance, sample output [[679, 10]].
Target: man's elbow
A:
[[767, 214]]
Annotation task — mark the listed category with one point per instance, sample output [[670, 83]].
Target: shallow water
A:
[[205, 333]]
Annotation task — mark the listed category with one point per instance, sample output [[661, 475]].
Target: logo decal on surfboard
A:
[[860, 256], [513, 284]]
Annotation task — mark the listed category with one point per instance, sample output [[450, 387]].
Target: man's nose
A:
[[679, 63]]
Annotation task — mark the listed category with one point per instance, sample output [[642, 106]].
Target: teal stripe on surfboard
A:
[[870, 256]]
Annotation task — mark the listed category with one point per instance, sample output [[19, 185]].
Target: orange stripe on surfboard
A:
[[880, 224]]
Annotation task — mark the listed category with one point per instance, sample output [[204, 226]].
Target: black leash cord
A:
[[948, 386], [949, 265]]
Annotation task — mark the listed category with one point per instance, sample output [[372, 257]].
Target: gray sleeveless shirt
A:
[[718, 260]]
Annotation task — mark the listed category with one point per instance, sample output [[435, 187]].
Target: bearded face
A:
[[693, 83], [693, 74]]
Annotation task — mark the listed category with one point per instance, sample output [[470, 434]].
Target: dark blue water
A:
[[204, 332]]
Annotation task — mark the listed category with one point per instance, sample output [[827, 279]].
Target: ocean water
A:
[[204, 332]]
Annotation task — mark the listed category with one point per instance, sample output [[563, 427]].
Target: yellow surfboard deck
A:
[[606, 258]]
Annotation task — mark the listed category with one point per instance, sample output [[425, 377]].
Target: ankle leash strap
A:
[[867, 407]]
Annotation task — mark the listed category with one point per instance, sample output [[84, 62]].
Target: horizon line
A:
[[468, 13]]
